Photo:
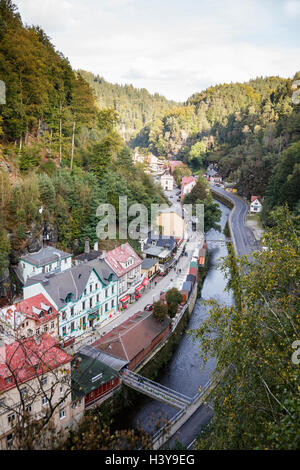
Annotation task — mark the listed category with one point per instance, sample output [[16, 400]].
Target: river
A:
[[186, 372]]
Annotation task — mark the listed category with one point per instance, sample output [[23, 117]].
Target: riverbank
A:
[[124, 401]]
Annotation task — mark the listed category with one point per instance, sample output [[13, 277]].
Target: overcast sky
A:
[[173, 47]]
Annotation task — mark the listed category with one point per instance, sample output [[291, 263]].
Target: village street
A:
[[159, 284]]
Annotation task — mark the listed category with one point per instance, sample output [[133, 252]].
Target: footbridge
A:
[[155, 390]]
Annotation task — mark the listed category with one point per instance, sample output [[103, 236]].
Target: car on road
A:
[[149, 307]]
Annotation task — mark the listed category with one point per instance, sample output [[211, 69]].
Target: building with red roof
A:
[[256, 205], [31, 316], [134, 339], [187, 184], [35, 377], [126, 264], [174, 164]]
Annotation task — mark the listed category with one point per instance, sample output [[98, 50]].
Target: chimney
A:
[[87, 245], [96, 246]]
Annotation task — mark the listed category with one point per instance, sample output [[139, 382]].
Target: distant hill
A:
[[249, 130], [136, 106]]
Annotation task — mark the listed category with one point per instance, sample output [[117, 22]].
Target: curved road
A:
[[244, 239]]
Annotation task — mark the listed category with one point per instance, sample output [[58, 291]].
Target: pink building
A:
[[187, 184]]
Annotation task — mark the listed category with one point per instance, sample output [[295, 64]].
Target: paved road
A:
[[191, 428], [153, 290], [245, 241]]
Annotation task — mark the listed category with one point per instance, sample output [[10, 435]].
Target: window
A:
[[8, 380], [37, 331], [23, 391], [91, 302], [106, 307], [11, 417], [112, 289], [72, 326], [83, 305], [96, 286], [84, 320], [44, 401], [9, 441], [106, 293], [52, 325], [84, 291], [64, 331], [43, 381], [62, 414], [98, 297], [91, 287], [72, 311], [28, 409], [112, 304], [46, 328]]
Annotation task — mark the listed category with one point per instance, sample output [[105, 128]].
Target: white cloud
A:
[[172, 47], [292, 9]]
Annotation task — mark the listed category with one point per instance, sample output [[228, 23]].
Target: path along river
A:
[[185, 373]]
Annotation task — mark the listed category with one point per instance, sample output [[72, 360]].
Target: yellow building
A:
[[150, 267], [171, 223]]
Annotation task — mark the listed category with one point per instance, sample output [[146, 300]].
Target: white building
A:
[[85, 296], [48, 259], [255, 205], [167, 182], [187, 184]]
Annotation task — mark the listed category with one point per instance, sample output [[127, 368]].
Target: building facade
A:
[[32, 316], [256, 205], [34, 376], [85, 296], [48, 259], [126, 265], [167, 182]]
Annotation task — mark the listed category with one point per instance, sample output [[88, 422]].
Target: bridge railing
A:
[[156, 385], [170, 423]]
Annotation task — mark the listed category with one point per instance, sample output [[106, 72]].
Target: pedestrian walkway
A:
[[155, 390]]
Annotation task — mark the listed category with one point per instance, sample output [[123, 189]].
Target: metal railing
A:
[[156, 390]]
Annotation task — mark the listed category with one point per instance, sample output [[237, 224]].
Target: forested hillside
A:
[[136, 107], [247, 129], [60, 154]]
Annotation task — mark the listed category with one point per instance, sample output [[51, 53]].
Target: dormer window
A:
[[8, 380], [69, 297]]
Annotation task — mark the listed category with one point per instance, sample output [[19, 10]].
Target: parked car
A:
[[137, 296], [149, 307]]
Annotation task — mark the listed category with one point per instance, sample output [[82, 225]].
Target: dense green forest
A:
[[248, 130], [136, 107], [60, 154]]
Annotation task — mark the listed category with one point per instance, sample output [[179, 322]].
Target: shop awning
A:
[[139, 287], [127, 297], [145, 282]]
